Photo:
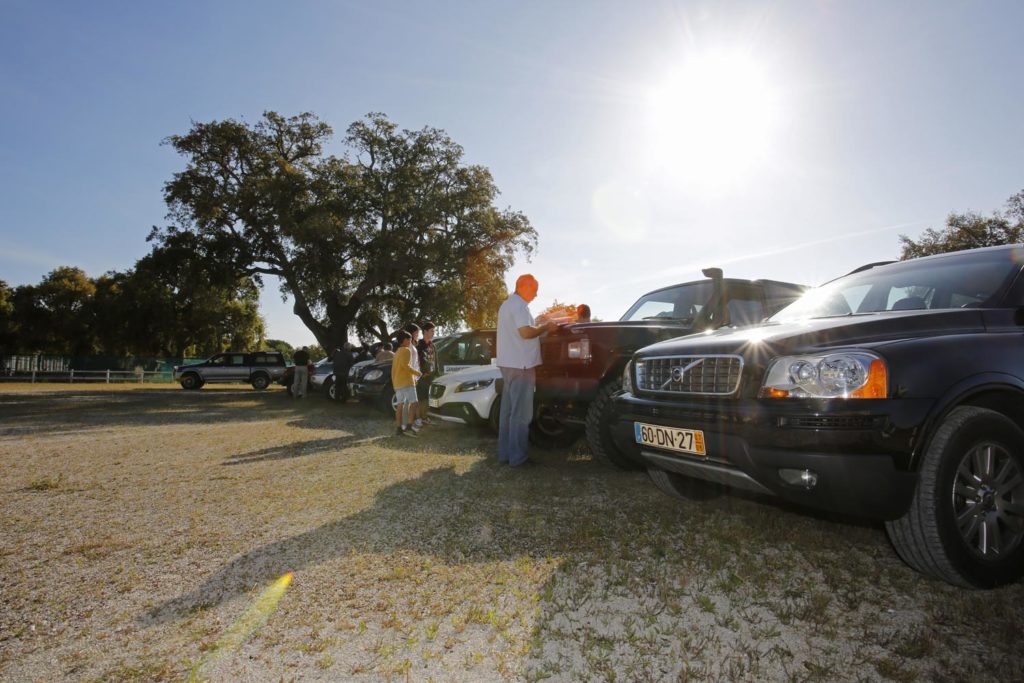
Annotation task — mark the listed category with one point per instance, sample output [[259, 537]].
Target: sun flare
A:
[[713, 119]]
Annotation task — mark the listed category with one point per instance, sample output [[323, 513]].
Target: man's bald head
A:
[[526, 287]]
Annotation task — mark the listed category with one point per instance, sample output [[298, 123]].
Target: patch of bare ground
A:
[[141, 525]]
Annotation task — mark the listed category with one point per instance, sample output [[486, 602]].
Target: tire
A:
[[191, 381], [550, 433], [965, 524], [260, 381], [684, 488], [599, 437], [330, 390], [494, 415]]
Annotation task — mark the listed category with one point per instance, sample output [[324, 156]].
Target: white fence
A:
[[87, 376]]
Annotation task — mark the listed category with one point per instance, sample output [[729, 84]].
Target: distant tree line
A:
[[969, 231], [171, 304]]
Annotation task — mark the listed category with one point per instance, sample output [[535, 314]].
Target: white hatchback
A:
[[470, 396]]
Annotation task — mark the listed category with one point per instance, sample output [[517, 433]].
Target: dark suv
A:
[[895, 393], [258, 368], [582, 363]]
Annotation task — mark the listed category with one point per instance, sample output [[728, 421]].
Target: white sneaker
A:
[[414, 428], [418, 423]]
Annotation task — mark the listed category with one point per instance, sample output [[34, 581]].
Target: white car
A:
[[471, 396]]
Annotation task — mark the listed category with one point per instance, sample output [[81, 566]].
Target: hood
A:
[[624, 335], [472, 374], [815, 334]]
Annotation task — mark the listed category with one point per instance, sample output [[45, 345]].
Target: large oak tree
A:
[[396, 228]]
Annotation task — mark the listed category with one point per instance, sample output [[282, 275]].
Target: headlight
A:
[[627, 380], [373, 375], [854, 374], [579, 349], [352, 371], [474, 385]]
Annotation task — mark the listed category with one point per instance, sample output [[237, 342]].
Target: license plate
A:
[[670, 438], [434, 403]]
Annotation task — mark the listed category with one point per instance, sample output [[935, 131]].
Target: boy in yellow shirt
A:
[[403, 378]]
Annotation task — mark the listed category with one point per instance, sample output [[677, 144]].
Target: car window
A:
[[745, 312], [952, 281], [217, 360], [682, 302], [266, 359], [236, 359]]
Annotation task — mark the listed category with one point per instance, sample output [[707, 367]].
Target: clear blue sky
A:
[[790, 140]]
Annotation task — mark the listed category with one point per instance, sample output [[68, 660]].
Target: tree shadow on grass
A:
[[291, 450], [488, 513], [73, 411]]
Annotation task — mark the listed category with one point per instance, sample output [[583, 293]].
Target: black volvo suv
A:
[[894, 393]]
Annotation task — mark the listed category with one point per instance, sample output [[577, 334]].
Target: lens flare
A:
[[247, 624]]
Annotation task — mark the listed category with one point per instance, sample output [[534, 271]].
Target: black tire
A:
[[330, 389], [550, 433], [682, 487], [599, 436], [494, 416], [260, 381], [965, 524], [191, 381]]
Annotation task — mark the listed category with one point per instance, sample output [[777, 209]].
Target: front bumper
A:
[[860, 452], [366, 390]]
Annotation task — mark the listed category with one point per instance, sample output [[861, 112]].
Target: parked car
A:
[[894, 393], [258, 368], [320, 377], [371, 380], [583, 362], [471, 396]]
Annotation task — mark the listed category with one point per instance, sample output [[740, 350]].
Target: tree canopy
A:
[[168, 305], [969, 231], [395, 229]]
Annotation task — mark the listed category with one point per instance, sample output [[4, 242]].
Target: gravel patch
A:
[[142, 525]]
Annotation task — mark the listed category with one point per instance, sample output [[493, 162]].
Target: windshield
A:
[[960, 281], [675, 303]]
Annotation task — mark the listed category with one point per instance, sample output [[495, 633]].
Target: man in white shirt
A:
[[518, 355]]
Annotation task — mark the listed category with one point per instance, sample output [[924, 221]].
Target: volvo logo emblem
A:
[[679, 372]]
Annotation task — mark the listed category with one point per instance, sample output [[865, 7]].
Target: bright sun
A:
[[713, 120]]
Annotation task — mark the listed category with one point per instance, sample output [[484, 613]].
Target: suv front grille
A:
[[709, 375], [436, 390]]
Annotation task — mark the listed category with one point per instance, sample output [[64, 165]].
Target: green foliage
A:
[[279, 345], [969, 231], [170, 304], [7, 323], [56, 316], [396, 230]]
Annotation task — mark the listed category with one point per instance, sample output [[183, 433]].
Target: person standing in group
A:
[[425, 349], [583, 313], [301, 373], [518, 355], [342, 361], [414, 331], [385, 353], [403, 379]]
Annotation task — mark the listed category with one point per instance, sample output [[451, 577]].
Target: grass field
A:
[[143, 526]]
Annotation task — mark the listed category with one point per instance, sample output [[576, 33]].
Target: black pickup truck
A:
[[894, 393], [583, 362]]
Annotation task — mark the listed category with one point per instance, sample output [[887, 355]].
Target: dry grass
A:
[[141, 523]]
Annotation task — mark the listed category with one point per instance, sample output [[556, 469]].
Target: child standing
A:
[[403, 378]]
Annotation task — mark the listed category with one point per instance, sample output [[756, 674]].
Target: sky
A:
[[644, 141]]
